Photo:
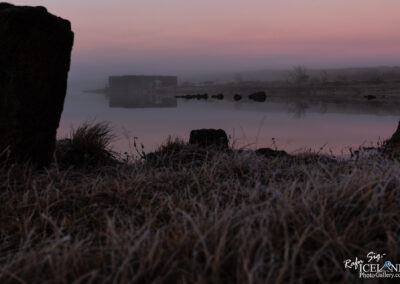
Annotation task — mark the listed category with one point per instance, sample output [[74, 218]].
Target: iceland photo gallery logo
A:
[[375, 266]]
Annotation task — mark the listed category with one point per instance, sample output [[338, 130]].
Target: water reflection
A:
[[140, 100], [295, 123], [300, 107]]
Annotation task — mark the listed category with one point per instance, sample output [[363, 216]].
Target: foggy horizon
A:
[[186, 39]]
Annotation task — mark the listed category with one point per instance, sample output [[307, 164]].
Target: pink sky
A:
[[179, 35]]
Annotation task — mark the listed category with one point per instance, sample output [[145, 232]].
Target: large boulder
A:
[[35, 52], [215, 138], [392, 145]]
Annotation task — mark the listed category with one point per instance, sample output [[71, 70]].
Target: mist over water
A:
[[213, 40], [294, 126]]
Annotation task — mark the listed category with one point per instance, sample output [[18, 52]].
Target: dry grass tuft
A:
[[88, 145], [233, 217]]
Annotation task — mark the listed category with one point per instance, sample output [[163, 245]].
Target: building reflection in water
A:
[[141, 100]]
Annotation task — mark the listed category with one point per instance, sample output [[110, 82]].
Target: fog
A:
[[188, 38], [214, 40], [199, 68]]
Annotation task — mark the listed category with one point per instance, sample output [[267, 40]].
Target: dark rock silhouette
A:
[[270, 153], [35, 51], [191, 97], [218, 96], [209, 138], [204, 97], [392, 145], [370, 97], [237, 97], [258, 97]]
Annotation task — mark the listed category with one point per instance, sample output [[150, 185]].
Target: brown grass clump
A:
[[232, 218], [89, 145]]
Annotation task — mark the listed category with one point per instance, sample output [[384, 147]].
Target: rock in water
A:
[[370, 97], [35, 52], [258, 97], [209, 138], [218, 96], [237, 97]]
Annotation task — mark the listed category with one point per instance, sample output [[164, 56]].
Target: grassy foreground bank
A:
[[229, 217]]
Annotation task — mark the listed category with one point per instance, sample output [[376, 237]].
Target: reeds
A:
[[231, 218]]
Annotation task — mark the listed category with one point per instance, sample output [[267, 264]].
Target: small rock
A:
[[370, 97], [191, 97], [237, 97], [202, 97], [258, 97], [209, 138], [218, 97]]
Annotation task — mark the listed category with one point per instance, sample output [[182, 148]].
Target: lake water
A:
[[287, 125]]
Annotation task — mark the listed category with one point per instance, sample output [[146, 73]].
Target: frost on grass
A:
[[232, 217]]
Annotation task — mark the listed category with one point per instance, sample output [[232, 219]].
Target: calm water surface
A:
[[291, 126]]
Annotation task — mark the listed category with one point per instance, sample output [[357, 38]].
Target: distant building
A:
[[141, 82], [141, 91]]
